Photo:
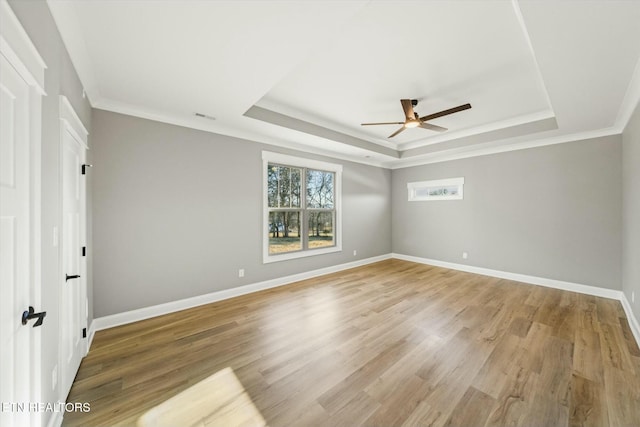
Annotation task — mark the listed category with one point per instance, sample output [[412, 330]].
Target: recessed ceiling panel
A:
[[323, 67], [214, 57], [442, 53]]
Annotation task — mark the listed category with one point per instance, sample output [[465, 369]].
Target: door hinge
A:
[[84, 251], [84, 168], [84, 332]]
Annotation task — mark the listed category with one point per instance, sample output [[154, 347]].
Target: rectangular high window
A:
[[301, 207], [440, 189]]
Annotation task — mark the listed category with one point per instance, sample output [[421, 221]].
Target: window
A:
[[440, 189], [301, 207]]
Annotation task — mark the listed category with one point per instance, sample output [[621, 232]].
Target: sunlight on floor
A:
[[217, 401]]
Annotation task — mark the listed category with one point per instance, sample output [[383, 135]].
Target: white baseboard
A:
[[633, 321], [55, 420], [534, 280], [92, 333], [113, 320]]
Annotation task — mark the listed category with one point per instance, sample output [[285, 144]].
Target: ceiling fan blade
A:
[[397, 132], [384, 123], [445, 112], [432, 127], [408, 109]]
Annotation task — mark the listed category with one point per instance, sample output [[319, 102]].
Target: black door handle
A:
[[28, 315], [75, 276]]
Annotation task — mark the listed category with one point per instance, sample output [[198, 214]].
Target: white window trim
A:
[[283, 159], [413, 186]]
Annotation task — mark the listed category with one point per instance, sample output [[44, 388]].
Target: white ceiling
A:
[[305, 74]]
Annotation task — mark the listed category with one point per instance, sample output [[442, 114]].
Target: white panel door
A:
[[15, 247], [72, 292]]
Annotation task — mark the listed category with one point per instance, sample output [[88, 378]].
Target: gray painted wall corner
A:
[[631, 212], [178, 211], [552, 212]]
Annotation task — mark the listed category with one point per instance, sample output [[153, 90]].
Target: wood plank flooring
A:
[[389, 344]]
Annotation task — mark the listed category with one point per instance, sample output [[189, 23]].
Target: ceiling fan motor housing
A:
[[413, 120]]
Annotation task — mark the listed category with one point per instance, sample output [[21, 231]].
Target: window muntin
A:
[[284, 232], [287, 210], [302, 199], [319, 189], [283, 186], [320, 229]]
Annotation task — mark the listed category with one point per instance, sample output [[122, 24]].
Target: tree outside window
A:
[[300, 220]]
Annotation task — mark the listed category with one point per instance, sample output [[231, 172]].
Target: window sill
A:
[[267, 259]]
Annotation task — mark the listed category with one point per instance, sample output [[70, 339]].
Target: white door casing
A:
[[15, 249], [21, 89], [73, 292]]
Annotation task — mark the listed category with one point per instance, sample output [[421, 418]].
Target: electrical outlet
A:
[[355, 252], [241, 272], [54, 377], [465, 255]]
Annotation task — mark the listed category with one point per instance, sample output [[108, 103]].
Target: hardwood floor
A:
[[388, 344]]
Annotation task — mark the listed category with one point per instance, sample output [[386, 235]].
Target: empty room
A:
[[319, 213]]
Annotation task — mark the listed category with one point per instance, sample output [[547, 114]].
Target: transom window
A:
[[301, 207], [439, 189]]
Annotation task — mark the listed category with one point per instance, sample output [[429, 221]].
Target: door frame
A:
[[70, 122], [21, 53]]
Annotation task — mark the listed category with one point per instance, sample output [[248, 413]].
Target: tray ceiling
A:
[[306, 74]]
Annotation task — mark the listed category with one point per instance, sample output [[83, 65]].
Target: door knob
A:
[[75, 276], [28, 315]]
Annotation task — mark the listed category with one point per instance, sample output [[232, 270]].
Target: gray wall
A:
[[552, 212], [631, 211], [178, 211], [60, 78]]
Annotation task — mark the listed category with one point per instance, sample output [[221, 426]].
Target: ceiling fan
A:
[[413, 120]]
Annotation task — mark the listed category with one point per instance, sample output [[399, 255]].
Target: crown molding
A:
[[512, 144], [382, 152], [429, 158], [497, 127], [485, 150], [219, 129], [525, 130], [286, 110], [65, 16], [278, 119], [19, 50], [630, 101]]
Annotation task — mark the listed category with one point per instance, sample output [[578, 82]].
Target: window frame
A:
[[304, 163], [413, 186]]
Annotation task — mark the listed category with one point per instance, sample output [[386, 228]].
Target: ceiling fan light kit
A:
[[413, 120]]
